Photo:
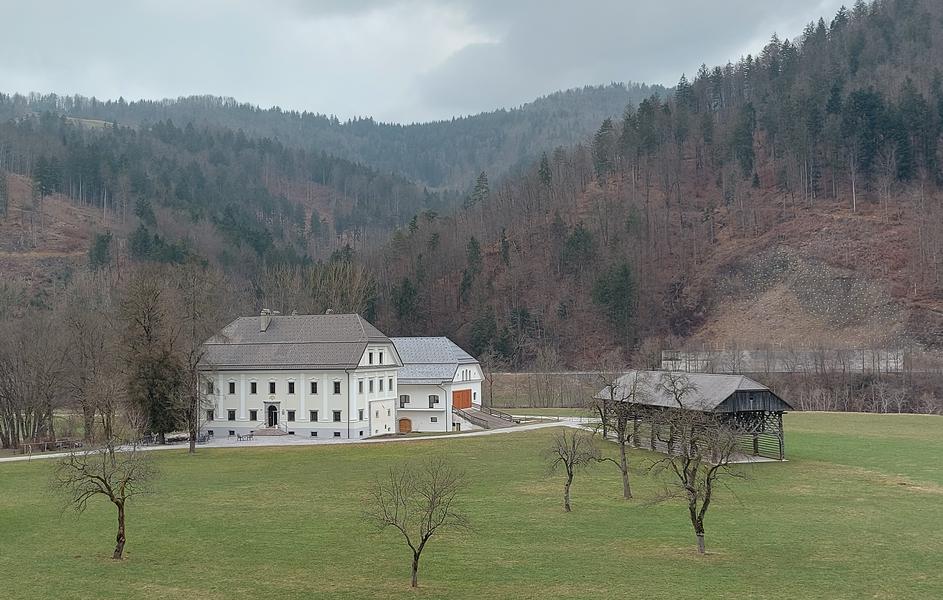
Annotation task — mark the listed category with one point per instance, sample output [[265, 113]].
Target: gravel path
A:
[[266, 441]]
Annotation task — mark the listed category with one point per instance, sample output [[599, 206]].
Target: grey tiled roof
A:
[[429, 359], [708, 391], [292, 341]]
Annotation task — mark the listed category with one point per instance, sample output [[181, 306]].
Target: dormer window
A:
[[370, 358]]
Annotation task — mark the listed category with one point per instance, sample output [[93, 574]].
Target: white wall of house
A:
[[417, 408], [322, 403], [426, 421], [382, 417]]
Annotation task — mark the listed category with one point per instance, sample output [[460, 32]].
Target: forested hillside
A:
[[441, 154], [215, 193], [788, 200]]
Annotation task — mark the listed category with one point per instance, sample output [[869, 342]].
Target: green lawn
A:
[[857, 512]]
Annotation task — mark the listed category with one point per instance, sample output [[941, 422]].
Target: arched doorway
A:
[[405, 426], [272, 413]]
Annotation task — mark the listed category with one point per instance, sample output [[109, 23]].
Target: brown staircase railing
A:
[[500, 414], [474, 419]]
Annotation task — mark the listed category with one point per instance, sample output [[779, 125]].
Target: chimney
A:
[[265, 317]]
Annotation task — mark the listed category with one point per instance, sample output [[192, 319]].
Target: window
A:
[[252, 387], [231, 415], [314, 387], [291, 415], [474, 396], [313, 414], [361, 434], [360, 415], [376, 414], [232, 432], [253, 415], [209, 387], [381, 385], [391, 384], [337, 416], [381, 358], [387, 412], [403, 400], [433, 400], [433, 419], [371, 386], [291, 433], [337, 387], [232, 387], [370, 358], [209, 415], [271, 387], [337, 434], [291, 387], [314, 434], [360, 386], [209, 432]]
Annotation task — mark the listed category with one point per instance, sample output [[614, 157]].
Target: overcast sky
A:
[[397, 60]]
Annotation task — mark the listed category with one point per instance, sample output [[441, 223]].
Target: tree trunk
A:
[[415, 571], [566, 493], [88, 421], [700, 543], [119, 539], [624, 467]]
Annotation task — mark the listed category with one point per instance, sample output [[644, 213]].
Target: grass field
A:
[[857, 512]]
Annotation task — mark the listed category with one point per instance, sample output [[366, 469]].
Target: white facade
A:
[[325, 403], [417, 401], [333, 376]]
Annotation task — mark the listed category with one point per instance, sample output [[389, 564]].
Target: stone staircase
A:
[[270, 431]]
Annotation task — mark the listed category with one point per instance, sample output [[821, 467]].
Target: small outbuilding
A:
[[754, 409]]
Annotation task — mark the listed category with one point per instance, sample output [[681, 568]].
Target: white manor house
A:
[[333, 376]]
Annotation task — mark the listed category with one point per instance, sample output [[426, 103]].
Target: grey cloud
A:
[[573, 44], [395, 59]]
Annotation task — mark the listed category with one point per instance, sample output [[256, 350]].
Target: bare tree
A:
[[623, 399], [31, 379], [118, 474], [572, 451], [418, 501], [94, 363], [700, 450], [491, 363], [198, 309]]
